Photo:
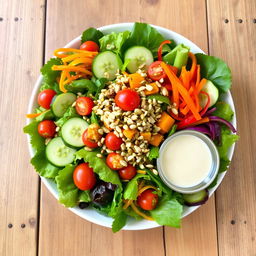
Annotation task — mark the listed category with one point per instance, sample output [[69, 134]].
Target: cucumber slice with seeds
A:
[[58, 153], [72, 131], [62, 102], [106, 65], [138, 55]]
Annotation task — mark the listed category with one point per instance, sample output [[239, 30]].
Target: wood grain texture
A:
[[235, 43], [21, 49]]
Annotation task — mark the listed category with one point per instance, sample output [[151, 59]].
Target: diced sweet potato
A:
[[165, 123], [146, 135], [156, 140], [135, 80], [129, 133], [154, 90]]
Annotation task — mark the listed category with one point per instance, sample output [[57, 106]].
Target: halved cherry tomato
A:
[[114, 161], [127, 99], [128, 172], [89, 46], [44, 98], [84, 177], [84, 106], [147, 200], [46, 129], [113, 142], [155, 71], [87, 142]]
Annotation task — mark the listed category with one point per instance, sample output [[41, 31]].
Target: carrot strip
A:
[[140, 213], [127, 204], [185, 77], [72, 78], [202, 121], [141, 172], [80, 60], [33, 115], [75, 56], [198, 76], [201, 85], [62, 79], [194, 63], [145, 188], [71, 68], [58, 52], [183, 91]]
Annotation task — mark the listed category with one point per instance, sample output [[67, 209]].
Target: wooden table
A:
[[32, 222]]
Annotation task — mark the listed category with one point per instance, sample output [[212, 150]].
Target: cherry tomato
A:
[[147, 200], [84, 106], [155, 71], [88, 142], [44, 98], [128, 172], [114, 161], [89, 46], [84, 177], [127, 99], [46, 129], [113, 142]]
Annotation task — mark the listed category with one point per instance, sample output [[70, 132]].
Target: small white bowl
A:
[[90, 214]]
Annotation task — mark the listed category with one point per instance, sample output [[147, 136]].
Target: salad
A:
[[105, 109]]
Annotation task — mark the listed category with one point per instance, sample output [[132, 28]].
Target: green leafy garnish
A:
[[99, 166], [223, 110], [215, 70], [168, 212], [36, 140], [46, 115], [81, 85], [49, 74], [114, 41], [159, 97], [43, 166], [91, 34], [119, 221], [54, 86], [70, 112], [153, 153], [84, 196], [173, 130], [94, 118]]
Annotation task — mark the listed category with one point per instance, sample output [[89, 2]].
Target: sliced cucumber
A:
[[72, 131], [62, 102], [138, 55], [106, 65], [196, 198], [213, 92], [58, 153]]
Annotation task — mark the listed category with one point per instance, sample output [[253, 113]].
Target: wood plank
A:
[[190, 239], [21, 44], [235, 43], [54, 216]]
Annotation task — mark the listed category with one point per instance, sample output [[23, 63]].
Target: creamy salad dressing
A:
[[186, 160]]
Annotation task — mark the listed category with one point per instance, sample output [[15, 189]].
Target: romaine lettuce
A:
[[91, 34]]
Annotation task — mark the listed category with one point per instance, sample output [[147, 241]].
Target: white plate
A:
[[90, 214]]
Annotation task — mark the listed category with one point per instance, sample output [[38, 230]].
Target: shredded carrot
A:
[[183, 91], [72, 78], [201, 85], [58, 52], [193, 66], [202, 121], [145, 188], [127, 204], [80, 60], [62, 79], [141, 184], [140, 213], [141, 172], [198, 76], [34, 115], [71, 68], [185, 77], [75, 56]]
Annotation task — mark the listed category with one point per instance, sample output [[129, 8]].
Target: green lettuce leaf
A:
[[227, 140], [114, 41], [82, 85], [47, 72], [91, 34], [54, 86], [119, 221], [168, 212], [215, 70], [99, 166], [36, 140], [144, 35], [173, 130], [43, 166], [94, 118], [84, 196], [153, 153], [130, 212], [46, 115], [68, 192], [70, 112], [131, 189], [223, 110]]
